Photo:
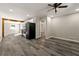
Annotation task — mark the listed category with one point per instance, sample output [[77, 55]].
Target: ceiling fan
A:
[[57, 5]]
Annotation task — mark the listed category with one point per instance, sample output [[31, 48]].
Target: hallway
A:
[[19, 46]]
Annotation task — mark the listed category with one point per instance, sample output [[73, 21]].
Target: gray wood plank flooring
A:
[[19, 46]]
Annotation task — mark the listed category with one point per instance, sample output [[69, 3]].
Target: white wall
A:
[[66, 27]]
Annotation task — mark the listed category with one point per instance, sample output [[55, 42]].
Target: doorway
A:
[[43, 29], [10, 26]]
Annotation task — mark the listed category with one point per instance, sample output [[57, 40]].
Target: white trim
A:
[[49, 37], [65, 39], [38, 37]]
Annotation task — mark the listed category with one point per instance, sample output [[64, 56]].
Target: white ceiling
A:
[[21, 10]]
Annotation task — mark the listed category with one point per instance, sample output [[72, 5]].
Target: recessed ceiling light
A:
[[77, 9], [11, 10], [27, 14]]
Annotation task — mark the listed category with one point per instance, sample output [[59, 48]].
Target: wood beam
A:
[[2, 28], [13, 20]]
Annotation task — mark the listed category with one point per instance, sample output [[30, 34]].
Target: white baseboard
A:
[[38, 37], [64, 39], [48, 37]]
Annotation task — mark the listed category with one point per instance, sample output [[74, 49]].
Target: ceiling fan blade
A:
[[50, 5], [50, 9], [63, 6], [58, 4], [55, 4]]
